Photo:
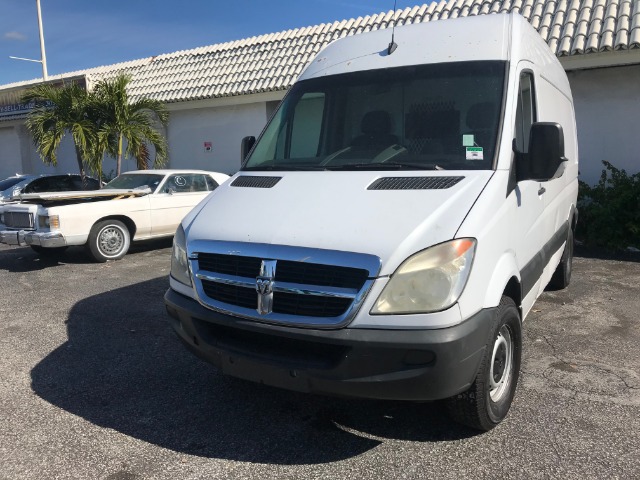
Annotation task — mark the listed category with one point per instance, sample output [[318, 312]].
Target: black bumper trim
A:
[[354, 362]]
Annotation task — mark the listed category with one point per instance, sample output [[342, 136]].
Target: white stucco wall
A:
[[223, 126], [10, 158], [607, 104], [18, 154]]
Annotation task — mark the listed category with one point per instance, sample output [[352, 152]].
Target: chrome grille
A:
[[19, 220], [310, 287], [288, 271], [285, 303]]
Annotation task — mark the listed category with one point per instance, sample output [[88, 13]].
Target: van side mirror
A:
[[245, 147], [545, 159]]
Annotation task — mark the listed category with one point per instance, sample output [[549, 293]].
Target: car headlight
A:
[[179, 260], [429, 281], [49, 221]]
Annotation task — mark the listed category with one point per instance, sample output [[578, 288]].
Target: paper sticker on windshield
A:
[[474, 153], [468, 141], [180, 181]]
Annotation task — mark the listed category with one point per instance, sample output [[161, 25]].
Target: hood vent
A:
[[250, 181], [414, 183]]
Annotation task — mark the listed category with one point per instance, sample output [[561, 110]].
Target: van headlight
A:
[[429, 281], [179, 260]]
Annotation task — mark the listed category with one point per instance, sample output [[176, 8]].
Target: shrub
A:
[[609, 212]]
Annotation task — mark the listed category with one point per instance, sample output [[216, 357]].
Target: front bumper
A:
[[12, 237], [370, 363], [43, 239]]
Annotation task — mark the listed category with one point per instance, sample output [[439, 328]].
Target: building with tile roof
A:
[[219, 93]]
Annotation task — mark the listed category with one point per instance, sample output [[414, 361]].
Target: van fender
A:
[[506, 269]]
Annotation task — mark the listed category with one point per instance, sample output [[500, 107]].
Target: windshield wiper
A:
[[384, 166], [282, 168]]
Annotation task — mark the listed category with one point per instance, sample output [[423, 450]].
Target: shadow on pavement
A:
[[123, 368], [604, 254], [24, 259]]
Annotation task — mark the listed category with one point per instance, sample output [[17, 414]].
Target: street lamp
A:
[[43, 55]]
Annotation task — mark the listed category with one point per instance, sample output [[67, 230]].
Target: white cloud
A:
[[15, 36]]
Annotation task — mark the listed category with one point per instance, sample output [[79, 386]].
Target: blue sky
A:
[[85, 34]]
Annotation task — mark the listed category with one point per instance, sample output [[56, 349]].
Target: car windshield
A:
[[10, 182], [441, 117], [129, 181]]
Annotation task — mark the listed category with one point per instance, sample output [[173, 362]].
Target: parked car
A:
[[134, 206], [13, 186], [395, 222]]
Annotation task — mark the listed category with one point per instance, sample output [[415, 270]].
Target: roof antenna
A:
[[393, 45]]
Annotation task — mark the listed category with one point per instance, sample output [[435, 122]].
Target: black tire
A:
[[488, 400], [109, 240], [48, 252], [562, 276]]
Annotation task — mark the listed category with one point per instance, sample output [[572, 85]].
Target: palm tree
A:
[[60, 111], [133, 121]]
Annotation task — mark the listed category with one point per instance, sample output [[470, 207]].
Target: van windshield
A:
[[441, 116]]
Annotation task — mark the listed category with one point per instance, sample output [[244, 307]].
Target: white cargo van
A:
[[394, 223]]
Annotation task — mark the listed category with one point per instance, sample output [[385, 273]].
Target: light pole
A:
[[43, 55]]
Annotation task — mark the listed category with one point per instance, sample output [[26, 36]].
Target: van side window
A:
[[525, 112], [307, 126]]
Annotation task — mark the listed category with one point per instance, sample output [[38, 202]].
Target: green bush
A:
[[609, 212]]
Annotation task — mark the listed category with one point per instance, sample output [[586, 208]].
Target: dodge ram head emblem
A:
[[264, 286]]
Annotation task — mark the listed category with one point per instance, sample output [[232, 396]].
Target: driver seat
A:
[[376, 131]]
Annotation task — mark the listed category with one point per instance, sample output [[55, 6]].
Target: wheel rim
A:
[[111, 241], [501, 365]]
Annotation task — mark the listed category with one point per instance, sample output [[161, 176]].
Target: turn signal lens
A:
[[49, 221]]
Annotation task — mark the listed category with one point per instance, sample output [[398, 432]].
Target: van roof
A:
[[484, 37]]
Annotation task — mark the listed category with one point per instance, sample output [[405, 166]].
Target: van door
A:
[[530, 229], [559, 192]]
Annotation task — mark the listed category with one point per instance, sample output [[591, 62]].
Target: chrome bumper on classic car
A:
[[43, 239]]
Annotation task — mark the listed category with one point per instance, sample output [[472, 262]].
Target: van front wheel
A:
[[489, 398]]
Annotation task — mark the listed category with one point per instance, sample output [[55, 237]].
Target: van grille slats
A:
[[231, 294], [230, 264], [324, 275], [414, 183], [252, 181], [19, 220], [285, 303], [287, 271], [309, 305]]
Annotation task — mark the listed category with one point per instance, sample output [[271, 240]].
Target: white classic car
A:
[[136, 205]]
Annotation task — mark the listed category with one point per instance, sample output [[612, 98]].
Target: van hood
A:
[[340, 210]]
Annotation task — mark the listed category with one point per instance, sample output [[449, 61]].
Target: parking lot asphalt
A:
[[95, 384]]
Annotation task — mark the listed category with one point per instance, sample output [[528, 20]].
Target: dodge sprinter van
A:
[[394, 223]]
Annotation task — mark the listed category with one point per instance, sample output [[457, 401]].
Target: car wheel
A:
[[109, 240], [562, 276], [47, 251], [486, 403]]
